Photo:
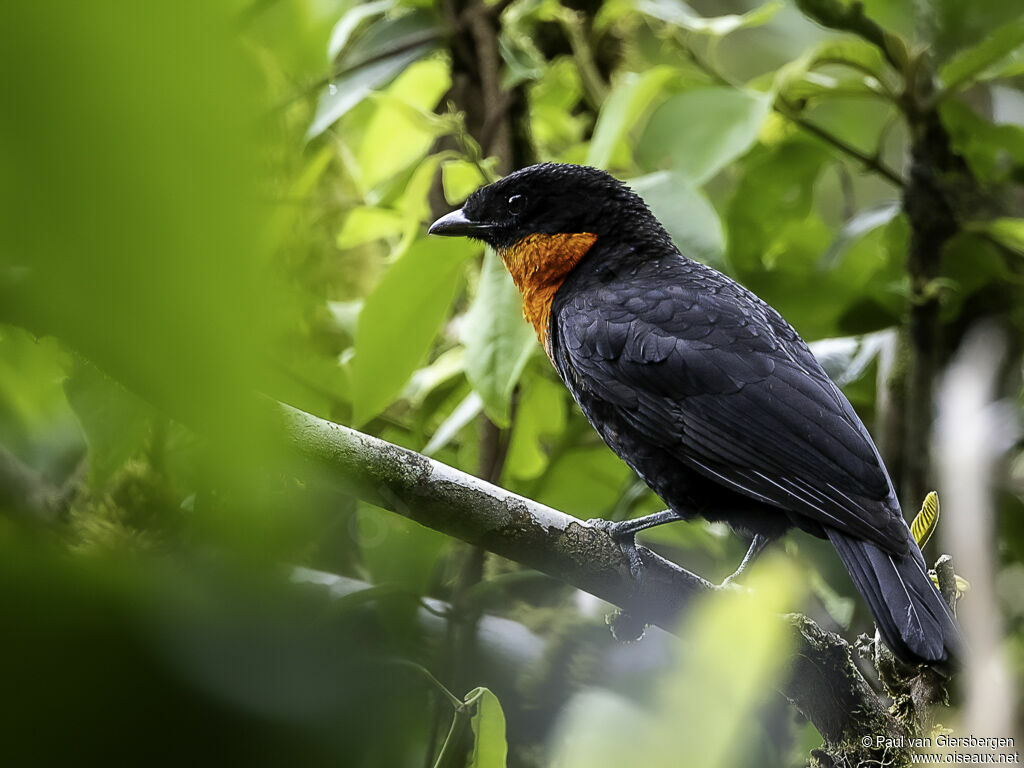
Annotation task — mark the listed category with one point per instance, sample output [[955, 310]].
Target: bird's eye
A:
[[516, 204]]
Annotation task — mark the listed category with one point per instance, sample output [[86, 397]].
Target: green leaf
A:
[[400, 319], [345, 92], [489, 746], [498, 339], [1008, 232], [460, 178], [368, 223], [350, 21], [467, 410], [686, 213], [625, 105], [697, 133], [115, 421], [682, 15], [403, 125], [972, 61], [540, 411], [775, 190]]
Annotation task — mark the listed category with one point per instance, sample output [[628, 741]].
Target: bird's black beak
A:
[[455, 224]]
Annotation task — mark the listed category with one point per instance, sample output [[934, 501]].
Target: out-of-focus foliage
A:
[[200, 202]]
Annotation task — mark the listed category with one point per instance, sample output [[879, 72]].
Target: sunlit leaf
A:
[[403, 126], [489, 746], [400, 319], [368, 223], [682, 15], [498, 339], [1008, 232], [460, 178], [968, 63], [698, 132], [621, 111]]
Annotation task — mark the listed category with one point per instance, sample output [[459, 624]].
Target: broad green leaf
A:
[[999, 44], [350, 22], [446, 367], [397, 551], [345, 92], [985, 146], [697, 133], [460, 179], [115, 421], [861, 66], [498, 339], [403, 125], [489, 746], [737, 646], [368, 223], [682, 15], [540, 412], [1008, 232], [776, 189], [552, 98], [628, 101], [400, 319], [689, 218]]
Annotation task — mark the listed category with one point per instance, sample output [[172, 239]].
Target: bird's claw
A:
[[626, 539]]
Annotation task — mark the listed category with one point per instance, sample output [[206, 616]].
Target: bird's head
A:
[[544, 219], [545, 199]]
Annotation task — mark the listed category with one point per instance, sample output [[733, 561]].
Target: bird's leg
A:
[[624, 533], [757, 546]]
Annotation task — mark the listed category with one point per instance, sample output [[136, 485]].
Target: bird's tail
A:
[[911, 615]]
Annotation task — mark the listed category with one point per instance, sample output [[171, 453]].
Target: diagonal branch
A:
[[825, 684]]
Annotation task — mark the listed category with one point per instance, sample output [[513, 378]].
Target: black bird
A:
[[702, 388]]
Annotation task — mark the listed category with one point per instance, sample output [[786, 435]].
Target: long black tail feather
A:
[[911, 615]]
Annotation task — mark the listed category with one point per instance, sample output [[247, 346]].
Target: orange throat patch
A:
[[539, 265]]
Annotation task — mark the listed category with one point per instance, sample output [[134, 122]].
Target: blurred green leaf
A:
[[400, 319], [968, 63], [686, 213], [626, 104], [682, 15], [498, 339], [775, 190], [403, 125], [540, 412], [722, 122], [142, 240], [489, 746], [345, 92], [460, 179], [115, 421], [350, 22], [1008, 232], [995, 153], [365, 224], [468, 409]]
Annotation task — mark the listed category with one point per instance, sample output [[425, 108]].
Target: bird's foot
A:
[[623, 534]]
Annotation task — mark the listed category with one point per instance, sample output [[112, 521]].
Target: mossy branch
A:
[[825, 683]]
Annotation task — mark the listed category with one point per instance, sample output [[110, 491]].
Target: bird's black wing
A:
[[701, 367]]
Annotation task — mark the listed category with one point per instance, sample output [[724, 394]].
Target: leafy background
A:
[[202, 201]]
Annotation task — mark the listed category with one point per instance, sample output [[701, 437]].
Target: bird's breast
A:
[[539, 265]]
